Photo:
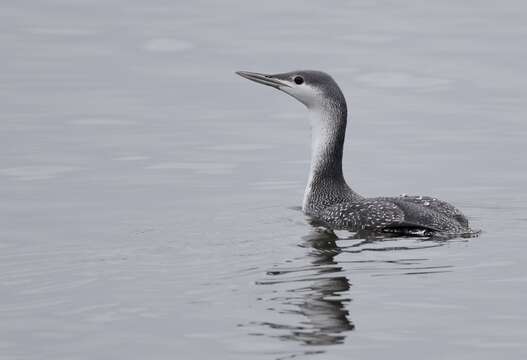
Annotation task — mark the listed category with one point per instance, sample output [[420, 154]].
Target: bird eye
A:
[[298, 80]]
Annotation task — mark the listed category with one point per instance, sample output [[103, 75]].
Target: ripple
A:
[[131, 158], [424, 305], [62, 31], [167, 45], [36, 172], [396, 80], [369, 38], [239, 147], [275, 185], [287, 116], [316, 289], [208, 168], [96, 121]]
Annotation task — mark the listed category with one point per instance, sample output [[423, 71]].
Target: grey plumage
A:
[[328, 198], [395, 214]]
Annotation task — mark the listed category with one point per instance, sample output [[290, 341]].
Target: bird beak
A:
[[263, 79]]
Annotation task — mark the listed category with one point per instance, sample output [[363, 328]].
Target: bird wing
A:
[[440, 207], [404, 212], [366, 214]]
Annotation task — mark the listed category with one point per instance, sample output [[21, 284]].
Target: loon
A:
[[328, 199]]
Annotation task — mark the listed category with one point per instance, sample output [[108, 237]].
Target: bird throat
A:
[[326, 184]]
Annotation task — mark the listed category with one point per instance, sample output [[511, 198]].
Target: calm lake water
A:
[[150, 196]]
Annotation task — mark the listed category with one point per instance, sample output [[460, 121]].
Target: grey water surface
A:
[[149, 196]]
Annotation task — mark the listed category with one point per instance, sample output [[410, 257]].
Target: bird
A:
[[328, 199]]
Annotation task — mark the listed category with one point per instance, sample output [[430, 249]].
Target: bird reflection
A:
[[322, 296], [317, 289]]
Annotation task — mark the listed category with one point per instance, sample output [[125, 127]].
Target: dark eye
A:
[[298, 80]]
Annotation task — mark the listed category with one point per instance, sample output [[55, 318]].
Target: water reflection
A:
[[318, 288], [321, 298]]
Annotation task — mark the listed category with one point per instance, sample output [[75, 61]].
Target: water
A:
[[150, 196]]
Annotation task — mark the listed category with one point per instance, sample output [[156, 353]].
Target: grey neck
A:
[[326, 184]]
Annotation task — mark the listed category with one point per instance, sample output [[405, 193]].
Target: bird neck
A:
[[326, 184]]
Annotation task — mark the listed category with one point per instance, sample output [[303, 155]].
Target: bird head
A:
[[314, 89]]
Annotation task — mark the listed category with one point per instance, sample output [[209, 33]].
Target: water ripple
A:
[[315, 288]]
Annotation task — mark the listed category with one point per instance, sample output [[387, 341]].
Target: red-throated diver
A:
[[327, 197]]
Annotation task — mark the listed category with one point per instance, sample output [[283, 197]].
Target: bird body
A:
[[328, 199]]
